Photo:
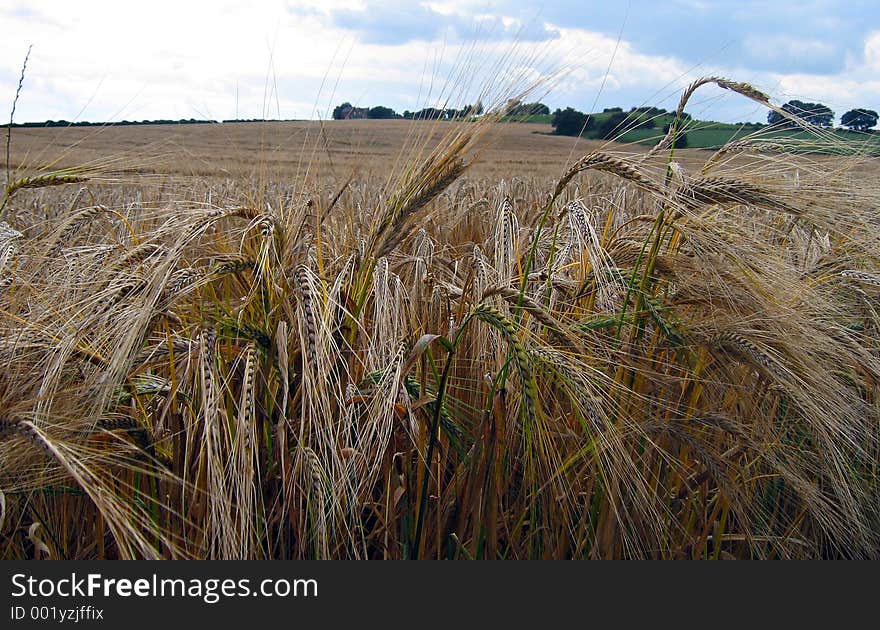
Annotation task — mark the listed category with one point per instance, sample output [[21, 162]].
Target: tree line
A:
[[85, 123], [567, 122], [571, 122], [821, 116], [614, 120], [347, 111], [514, 108]]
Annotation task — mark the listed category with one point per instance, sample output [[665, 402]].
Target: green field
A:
[[705, 134]]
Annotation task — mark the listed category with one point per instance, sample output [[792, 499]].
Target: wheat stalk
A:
[[742, 146], [43, 181], [12, 116], [748, 348], [393, 228], [514, 296], [716, 190], [505, 240], [863, 276], [496, 319], [307, 301], [601, 161]]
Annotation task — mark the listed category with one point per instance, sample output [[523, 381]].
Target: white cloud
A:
[[872, 52], [788, 47], [857, 86], [178, 53], [187, 59]]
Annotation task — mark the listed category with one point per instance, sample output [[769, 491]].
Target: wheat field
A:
[[394, 340]]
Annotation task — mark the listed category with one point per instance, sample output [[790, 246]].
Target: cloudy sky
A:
[[298, 58]]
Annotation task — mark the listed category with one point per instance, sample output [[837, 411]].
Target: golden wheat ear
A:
[[715, 190], [601, 161], [58, 178]]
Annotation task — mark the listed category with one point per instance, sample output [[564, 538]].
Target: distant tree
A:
[[518, 109], [859, 119], [381, 112], [819, 114], [468, 110], [533, 109], [428, 113], [810, 113], [340, 110], [434, 113], [649, 112], [612, 126], [570, 122], [643, 118], [512, 106], [347, 112], [612, 110]]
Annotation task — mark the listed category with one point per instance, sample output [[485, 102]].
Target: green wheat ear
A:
[[497, 320]]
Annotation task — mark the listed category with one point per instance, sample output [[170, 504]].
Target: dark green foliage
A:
[[811, 113], [340, 109], [647, 112], [381, 112], [517, 108], [859, 119], [614, 125], [434, 113], [347, 111], [429, 113], [570, 122]]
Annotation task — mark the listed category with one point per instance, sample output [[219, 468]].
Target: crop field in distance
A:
[[282, 150]]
